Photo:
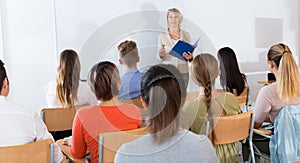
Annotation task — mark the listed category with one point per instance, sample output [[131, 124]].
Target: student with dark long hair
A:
[[163, 94], [232, 80]]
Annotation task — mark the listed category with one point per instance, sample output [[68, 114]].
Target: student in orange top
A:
[[110, 115]]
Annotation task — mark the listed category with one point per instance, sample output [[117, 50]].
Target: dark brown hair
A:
[[164, 92], [104, 80], [128, 52], [231, 78], [2, 74]]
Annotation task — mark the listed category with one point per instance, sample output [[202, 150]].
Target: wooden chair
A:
[[67, 152], [40, 151], [229, 129], [58, 119], [137, 102], [243, 97], [110, 142]]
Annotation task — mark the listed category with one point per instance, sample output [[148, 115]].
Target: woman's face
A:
[[173, 19]]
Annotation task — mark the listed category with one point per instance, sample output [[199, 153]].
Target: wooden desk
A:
[[67, 151], [265, 82], [263, 132]]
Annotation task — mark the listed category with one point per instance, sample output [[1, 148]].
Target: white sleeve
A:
[[42, 133]]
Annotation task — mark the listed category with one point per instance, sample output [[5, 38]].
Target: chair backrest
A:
[[229, 129], [135, 101], [110, 142], [58, 119], [40, 151], [243, 97], [285, 141]]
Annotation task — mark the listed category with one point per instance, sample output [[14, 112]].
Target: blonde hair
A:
[[288, 74], [67, 79], [175, 10]]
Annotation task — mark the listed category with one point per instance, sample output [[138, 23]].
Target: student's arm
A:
[[42, 133], [262, 106], [78, 146]]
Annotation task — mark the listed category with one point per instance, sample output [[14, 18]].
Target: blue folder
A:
[[180, 47]]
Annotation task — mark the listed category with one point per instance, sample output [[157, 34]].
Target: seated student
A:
[[131, 80], [19, 125], [273, 97], [110, 115], [68, 91], [163, 94], [232, 80], [210, 103]]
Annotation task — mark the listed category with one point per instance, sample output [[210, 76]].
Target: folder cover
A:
[[180, 47]]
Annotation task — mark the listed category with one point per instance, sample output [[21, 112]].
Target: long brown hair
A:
[[288, 74], [204, 72], [67, 78], [164, 92]]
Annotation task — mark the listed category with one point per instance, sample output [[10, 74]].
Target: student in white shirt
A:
[[19, 125], [68, 91]]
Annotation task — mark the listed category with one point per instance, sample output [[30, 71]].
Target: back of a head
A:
[[68, 76], [204, 72], [230, 76], [164, 92], [2, 74], [128, 52], [288, 74], [104, 80]]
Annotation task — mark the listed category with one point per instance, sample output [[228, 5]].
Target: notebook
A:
[[180, 47]]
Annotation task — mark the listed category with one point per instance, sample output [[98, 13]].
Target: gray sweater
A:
[[185, 146]]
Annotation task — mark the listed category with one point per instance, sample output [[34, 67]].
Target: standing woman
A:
[[232, 80], [68, 91], [209, 104], [167, 40]]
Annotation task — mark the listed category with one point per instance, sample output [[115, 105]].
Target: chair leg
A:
[[251, 152]]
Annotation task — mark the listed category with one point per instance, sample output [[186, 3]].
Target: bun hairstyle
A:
[[164, 92], [288, 73]]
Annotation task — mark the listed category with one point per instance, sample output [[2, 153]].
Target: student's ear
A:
[[143, 102], [138, 59], [120, 61], [271, 65]]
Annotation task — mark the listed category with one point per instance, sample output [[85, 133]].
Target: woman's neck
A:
[[174, 30], [112, 102]]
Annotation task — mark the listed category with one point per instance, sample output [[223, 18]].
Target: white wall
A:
[[1, 43], [29, 39]]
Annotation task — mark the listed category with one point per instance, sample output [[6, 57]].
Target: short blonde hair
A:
[[175, 10], [288, 76]]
